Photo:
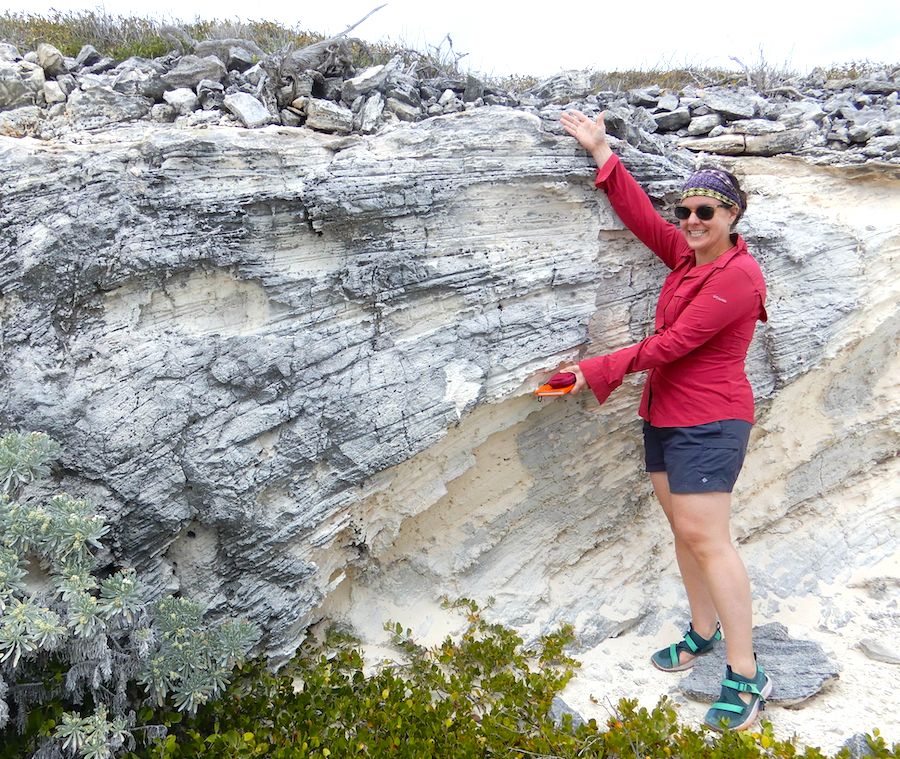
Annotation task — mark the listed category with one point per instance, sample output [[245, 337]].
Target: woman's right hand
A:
[[591, 134]]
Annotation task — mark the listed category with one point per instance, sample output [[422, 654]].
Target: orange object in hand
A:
[[558, 384]]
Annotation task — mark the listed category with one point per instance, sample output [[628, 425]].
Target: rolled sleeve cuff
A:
[[605, 170], [595, 371]]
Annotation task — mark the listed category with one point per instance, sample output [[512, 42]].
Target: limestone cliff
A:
[[295, 371]]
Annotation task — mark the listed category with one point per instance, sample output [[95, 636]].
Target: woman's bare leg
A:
[[700, 522], [703, 610]]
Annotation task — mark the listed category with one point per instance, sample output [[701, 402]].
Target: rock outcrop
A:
[[847, 120], [276, 358], [294, 367]]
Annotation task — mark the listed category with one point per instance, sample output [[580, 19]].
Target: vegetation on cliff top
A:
[[120, 37]]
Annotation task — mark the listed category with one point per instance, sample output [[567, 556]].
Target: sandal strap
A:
[[742, 687], [673, 654], [725, 707], [689, 640], [694, 641]]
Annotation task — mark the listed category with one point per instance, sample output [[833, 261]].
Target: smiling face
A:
[[708, 239]]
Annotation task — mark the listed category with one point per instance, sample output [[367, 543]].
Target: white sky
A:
[[541, 39]]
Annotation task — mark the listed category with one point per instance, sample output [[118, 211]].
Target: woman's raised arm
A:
[[627, 197]]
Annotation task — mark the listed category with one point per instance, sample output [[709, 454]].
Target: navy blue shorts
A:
[[706, 458]]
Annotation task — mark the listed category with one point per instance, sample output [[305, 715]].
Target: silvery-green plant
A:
[[90, 624]]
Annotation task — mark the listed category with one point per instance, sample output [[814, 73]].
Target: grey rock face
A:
[[731, 105], [874, 86], [253, 75], [192, 69], [240, 58], [236, 54], [647, 97], [163, 113], [248, 109], [880, 651], [887, 147], [101, 106], [619, 123], [858, 746], [558, 708], [563, 87], [325, 116], [370, 114], [87, 56], [783, 141], [288, 363], [101, 66], [9, 52], [291, 117], [242, 364], [474, 89], [211, 94], [370, 79], [799, 668], [182, 100], [50, 59], [21, 83], [842, 121], [53, 93], [332, 87], [21, 121], [403, 87], [700, 125], [402, 110], [67, 84], [139, 77], [756, 126], [672, 120], [303, 84], [798, 114], [668, 102]]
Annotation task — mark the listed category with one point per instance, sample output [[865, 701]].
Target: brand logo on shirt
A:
[[720, 298]]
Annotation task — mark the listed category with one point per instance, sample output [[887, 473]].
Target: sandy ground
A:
[[855, 703]]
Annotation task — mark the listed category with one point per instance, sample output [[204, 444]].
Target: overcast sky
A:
[[505, 37]]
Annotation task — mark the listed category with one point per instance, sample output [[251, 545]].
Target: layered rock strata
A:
[[295, 371]]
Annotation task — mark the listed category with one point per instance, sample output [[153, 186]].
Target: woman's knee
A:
[[704, 540]]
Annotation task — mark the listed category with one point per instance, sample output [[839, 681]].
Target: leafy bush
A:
[[485, 690], [76, 636], [86, 667], [483, 695]]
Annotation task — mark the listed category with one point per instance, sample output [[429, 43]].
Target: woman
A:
[[697, 404]]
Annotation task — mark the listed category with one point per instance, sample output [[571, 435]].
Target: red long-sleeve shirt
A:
[[705, 319]]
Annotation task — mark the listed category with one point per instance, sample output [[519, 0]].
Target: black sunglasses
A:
[[704, 213]]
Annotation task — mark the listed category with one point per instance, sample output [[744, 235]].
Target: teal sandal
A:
[[669, 659], [730, 712]]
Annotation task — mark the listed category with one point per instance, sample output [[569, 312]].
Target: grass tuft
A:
[[120, 37]]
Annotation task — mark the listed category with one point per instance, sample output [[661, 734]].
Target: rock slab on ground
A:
[[799, 668]]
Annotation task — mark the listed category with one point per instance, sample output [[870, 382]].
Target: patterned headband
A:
[[713, 183]]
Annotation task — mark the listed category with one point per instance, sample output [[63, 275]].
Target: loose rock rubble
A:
[[236, 83]]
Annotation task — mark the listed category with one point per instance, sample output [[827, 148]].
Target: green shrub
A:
[[78, 640], [483, 695]]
